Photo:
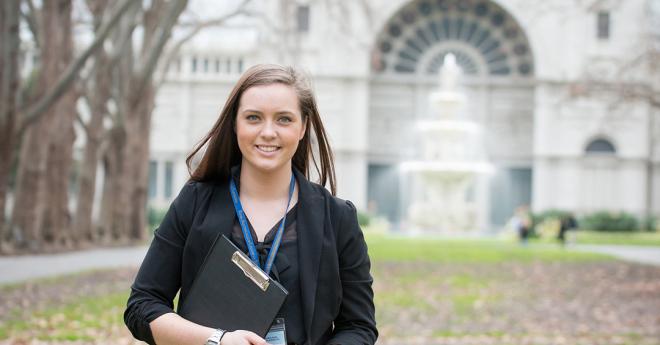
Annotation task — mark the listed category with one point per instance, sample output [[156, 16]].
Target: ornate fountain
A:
[[452, 156]]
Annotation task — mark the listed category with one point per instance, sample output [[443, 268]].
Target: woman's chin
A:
[[267, 167]]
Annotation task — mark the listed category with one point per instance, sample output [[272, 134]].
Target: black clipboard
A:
[[232, 293]]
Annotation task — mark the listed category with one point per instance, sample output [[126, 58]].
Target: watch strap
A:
[[216, 337]]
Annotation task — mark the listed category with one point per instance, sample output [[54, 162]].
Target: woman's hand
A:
[[242, 338]]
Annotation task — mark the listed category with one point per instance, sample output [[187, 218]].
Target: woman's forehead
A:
[[269, 97]]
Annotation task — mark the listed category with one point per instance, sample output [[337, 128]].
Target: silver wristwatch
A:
[[215, 338]]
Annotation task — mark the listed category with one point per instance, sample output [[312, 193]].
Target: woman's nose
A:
[[268, 129]]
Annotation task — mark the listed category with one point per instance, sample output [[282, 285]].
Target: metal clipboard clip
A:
[[250, 270]]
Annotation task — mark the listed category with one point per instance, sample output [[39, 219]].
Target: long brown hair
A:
[[222, 150]]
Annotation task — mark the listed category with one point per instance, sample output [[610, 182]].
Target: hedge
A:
[[610, 221]]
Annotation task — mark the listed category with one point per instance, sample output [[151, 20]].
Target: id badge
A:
[[277, 333]]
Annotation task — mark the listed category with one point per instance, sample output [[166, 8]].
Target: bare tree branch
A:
[[123, 40], [151, 18], [34, 112], [30, 17], [148, 66], [82, 124], [267, 21], [174, 51]]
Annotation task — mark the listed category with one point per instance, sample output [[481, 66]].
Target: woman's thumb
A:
[[255, 339]]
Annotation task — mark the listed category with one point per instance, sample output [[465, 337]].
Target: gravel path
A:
[[14, 269], [641, 254]]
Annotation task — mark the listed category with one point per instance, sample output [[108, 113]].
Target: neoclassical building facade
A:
[[565, 91]]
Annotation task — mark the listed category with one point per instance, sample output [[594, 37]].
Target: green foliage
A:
[[363, 218], [546, 224], [651, 224], [549, 215], [155, 216], [609, 221]]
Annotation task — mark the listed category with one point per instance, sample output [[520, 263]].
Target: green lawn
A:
[[396, 248], [439, 290], [631, 238], [620, 238], [75, 307], [460, 291], [547, 233], [84, 320]]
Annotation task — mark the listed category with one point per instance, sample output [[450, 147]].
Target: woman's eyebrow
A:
[[285, 112], [282, 112], [250, 111]]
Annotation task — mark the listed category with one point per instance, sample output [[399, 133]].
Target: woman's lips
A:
[[267, 148]]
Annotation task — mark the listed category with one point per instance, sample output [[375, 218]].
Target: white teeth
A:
[[267, 148]]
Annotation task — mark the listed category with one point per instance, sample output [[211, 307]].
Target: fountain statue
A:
[[452, 156]]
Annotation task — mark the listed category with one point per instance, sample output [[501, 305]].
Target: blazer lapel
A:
[[209, 223], [224, 210], [310, 240], [219, 217]]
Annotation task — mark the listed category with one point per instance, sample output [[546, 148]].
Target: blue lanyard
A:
[[242, 220]]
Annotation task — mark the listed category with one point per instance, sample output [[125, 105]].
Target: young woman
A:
[[262, 142]]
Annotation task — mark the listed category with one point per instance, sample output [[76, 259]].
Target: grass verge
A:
[[84, 320], [618, 238], [392, 248]]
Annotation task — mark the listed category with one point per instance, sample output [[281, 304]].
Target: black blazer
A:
[[334, 264]]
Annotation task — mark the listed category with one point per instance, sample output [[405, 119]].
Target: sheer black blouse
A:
[[285, 270]]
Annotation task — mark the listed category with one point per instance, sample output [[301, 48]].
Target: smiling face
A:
[[269, 126]]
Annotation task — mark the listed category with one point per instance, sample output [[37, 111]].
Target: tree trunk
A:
[[127, 196], [28, 205], [114, 220], [31, 202], [127, 160], [138, 148], [9, 84], [83, 227], [108, 196], [57, 217], [114, 210]]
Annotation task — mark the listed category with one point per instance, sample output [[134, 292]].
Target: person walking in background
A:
[[262, 147], [522, 222], [567, 223]]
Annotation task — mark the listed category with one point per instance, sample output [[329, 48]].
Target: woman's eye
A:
[[285, 119], [252, 117]]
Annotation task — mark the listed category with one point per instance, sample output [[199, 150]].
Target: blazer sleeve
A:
[[159, 277], [356, 322]]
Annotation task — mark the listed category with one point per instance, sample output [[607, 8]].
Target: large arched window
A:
[[485, 39], [600, 146]]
